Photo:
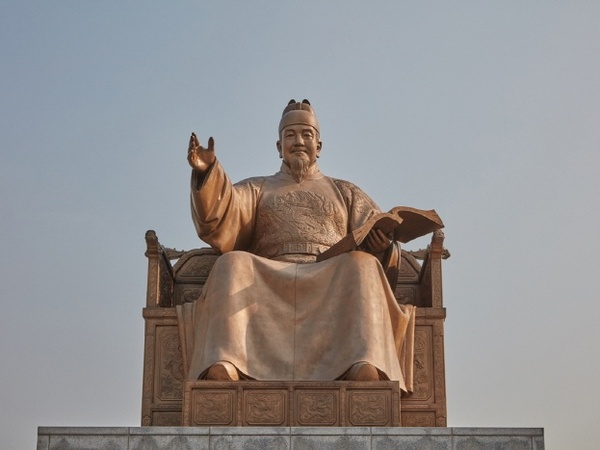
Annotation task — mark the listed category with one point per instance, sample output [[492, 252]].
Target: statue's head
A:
[[298, 113], [299, 143]]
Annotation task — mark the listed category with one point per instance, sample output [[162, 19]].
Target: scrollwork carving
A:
[[167, 419], [214, 408], [405, 295], [265, 408], [198, 266], [190, 295], [317, 409], [171, 366], [422, 376], [368, 408], [418, 419]]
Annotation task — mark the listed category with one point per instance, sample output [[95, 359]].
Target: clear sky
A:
[[488, 112]]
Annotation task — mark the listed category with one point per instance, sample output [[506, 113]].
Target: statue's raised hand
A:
[[201, 158]]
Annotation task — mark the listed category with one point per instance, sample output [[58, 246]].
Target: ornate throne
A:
[[169, 285]]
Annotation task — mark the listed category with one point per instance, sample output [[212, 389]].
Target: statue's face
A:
[[299, 141]]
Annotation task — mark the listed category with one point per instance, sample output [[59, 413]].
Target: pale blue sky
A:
[[488, 112]]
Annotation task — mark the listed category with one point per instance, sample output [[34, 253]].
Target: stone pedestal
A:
[[288, 438], [292, 403]]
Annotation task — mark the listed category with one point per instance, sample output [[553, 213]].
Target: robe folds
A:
[[272, 311]]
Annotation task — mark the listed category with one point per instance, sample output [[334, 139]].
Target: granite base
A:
[[288, 438]]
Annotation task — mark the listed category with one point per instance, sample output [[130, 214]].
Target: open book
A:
[[402, 223]]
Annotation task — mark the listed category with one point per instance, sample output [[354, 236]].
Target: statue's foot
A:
[[362, 371], [222, 371]]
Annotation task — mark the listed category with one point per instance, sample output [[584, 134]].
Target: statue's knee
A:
[[234, 259], [360, 258]]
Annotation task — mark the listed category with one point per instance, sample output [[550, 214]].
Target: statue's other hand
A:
[[201, 158], [376, 241]]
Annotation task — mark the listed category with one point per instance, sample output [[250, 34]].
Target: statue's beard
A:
[[299, 167]]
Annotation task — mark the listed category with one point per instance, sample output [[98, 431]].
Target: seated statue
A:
[[268, 310]]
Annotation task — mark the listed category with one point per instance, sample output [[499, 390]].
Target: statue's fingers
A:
[[211, 144], [385, 237], [196, 141], [381, 236], [386, 240], [369, 240], [375, 241]]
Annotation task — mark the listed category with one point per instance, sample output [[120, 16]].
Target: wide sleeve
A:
[[359, 205], [224, 214], [360, 208]]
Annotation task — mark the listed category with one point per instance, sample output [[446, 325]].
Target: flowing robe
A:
[[267, 307]]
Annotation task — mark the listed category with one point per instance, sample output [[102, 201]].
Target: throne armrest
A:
[[160, 274], [430, 277]]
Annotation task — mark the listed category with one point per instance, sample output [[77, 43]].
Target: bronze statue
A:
[[269, 311]]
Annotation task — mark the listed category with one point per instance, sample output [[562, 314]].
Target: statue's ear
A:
[[278, 144]]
